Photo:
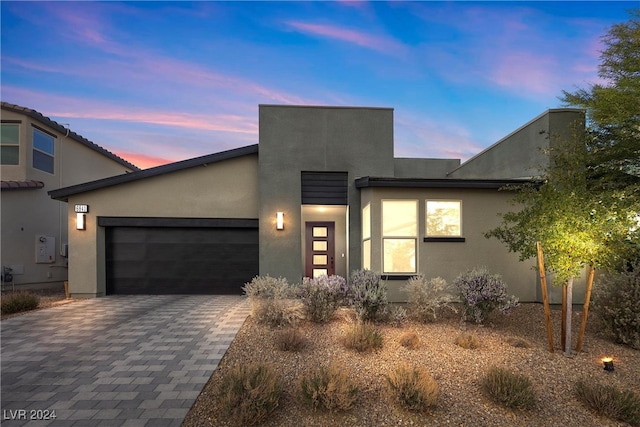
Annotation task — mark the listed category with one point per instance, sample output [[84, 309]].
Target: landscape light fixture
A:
[[608, 364], [280, 221]]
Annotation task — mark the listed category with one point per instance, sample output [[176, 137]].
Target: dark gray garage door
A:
[[181, 260]]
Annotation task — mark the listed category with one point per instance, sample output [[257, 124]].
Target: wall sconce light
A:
[[608, 364], [81, 223], [280, 221]]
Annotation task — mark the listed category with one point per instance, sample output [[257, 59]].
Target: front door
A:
[[319, 249]]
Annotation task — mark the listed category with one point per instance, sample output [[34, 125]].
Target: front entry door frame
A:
[[319, 248]]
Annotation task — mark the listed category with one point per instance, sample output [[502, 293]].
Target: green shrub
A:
[[369, 295], [321, 296], [19, 301], [249, 393], [468, 341], [410, 340], [273, 301], [428, 298], [616, 300], [509, 389], [609, 401], [362, 336], [290, 339], [413, 388], [330, 388], [481, 293]]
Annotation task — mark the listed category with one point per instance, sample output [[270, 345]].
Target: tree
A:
[[613, 110], [585, 208]]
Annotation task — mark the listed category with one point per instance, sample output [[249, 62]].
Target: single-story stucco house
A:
[[320, 194]]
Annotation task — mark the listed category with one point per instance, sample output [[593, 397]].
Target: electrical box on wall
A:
[[45, 249]]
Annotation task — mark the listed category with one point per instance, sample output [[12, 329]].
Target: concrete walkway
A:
[[114, 361]]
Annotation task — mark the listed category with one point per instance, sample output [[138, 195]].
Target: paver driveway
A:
[[114, 361]]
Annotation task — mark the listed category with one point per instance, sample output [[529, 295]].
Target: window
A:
[[43, 146], [444, 218], [10, 144], [366, 237], [399, 236]]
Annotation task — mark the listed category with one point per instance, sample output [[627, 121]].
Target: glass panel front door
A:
[[320, 249]]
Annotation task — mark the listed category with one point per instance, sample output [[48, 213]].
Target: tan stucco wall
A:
[[28, 213], [226, 189]]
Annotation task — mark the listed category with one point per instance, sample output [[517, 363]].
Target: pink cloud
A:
[[143, 161], [522, 70], [379, 43]]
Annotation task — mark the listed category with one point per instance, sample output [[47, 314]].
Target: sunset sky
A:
[[157, 82]]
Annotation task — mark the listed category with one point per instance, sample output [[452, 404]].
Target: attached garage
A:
[[179, 255]]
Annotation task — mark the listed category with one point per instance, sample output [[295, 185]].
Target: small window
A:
[[399, 236], [366, 237], [10, 144], [444, 218], [43, 151]]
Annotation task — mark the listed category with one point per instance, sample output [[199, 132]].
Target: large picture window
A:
[[444, 218], [43, 151], [399, 236], [10, 144]]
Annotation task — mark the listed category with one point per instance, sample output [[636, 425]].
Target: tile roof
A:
[[22, 185], [70, 134]]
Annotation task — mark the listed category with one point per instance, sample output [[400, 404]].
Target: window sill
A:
[[444, 239], [397, 276]]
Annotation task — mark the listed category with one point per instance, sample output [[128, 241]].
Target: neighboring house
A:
[[320, 194], [38, 155]]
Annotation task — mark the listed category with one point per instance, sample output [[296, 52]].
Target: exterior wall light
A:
[[280, 221], [81, 223], [81, 219]]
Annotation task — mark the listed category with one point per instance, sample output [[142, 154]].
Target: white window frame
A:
[[366, 236], [426, 218], [393, 236]]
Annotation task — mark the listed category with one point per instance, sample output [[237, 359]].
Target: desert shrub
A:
[[321, 296], [468, 341], [509, 389], [19, 301], [609, 401], [267, 287], [616, 300], [249, 393], [290, 339], [273, 301], [482, 293], [330, 388], [428, 298], [369, 295], [410, 340], [414, 388], [397, 315], [362, 336]]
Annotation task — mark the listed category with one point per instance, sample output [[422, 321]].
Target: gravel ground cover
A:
[[458, 372], [48, 298]]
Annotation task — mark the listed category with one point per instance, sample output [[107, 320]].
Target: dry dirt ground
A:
[[458, 372]]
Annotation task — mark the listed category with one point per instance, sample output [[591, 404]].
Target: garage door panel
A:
[[165, 260]]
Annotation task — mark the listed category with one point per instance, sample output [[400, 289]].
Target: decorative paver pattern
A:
[[114, 361]]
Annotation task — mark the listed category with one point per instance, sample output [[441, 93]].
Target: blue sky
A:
[[156, 82]]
